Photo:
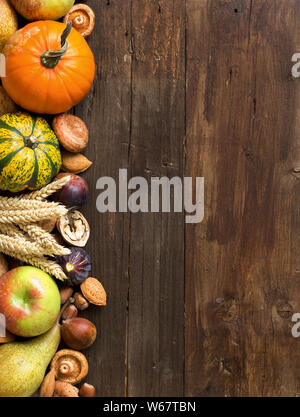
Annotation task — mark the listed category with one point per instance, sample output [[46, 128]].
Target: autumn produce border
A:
[[45, 273]]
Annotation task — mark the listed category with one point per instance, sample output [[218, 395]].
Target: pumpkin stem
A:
[[51, 58], [30, 141]]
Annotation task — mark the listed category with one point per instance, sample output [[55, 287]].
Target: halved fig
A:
[[74, 228]]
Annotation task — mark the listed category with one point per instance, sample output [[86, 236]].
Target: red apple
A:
[[29, 300]]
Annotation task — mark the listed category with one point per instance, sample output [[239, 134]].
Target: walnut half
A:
[[74, 228]]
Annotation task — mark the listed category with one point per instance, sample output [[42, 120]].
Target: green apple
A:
[[42, 9], [29, 300]]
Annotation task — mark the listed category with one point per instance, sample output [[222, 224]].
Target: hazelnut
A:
[[65, 293], [74, 228], [80, 302], [70, 366], [87, 390], [71, 132], [82, 17], [70, 312], [64, 389], [93, 291]]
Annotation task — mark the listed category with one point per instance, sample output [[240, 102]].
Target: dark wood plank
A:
[[107, 114], [156, 291], [242, 273]]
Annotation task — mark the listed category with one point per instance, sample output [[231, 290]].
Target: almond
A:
[[93, 291], [48, 385], [74, 162]]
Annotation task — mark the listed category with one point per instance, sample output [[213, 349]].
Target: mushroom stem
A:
[[66, 368]]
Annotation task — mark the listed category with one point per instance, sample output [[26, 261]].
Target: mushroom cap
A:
[[82, 17], [70, 366]]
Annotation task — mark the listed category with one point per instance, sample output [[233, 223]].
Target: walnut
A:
[[74, 228]]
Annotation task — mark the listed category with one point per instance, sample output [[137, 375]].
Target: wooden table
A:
[[197, 88]]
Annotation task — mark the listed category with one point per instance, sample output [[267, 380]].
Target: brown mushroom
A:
[[74, 228], [64, 389], [70, 366], [82, 18], [71, 132]]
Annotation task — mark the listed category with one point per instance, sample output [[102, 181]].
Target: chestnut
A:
[[74, 193], [78, 333], [77, 265]]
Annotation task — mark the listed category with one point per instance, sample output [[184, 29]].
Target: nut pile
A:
[[69, 366]]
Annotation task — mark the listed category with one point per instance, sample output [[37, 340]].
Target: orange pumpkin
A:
[[49, 67]]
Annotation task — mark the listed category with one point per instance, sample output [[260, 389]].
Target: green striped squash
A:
[[29, 152]]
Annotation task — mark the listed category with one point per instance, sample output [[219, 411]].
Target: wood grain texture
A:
[[156, 290], [242, 269], [197, 88], [107, 113]]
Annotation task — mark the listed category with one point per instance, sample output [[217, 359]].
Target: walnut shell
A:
[[74, 228], [93, 291], [82, 18], [70, 366]]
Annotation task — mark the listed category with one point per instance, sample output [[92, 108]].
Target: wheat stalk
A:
[[25, 247], [44, 239], [49, 189], [16, 203], [31, 216], [32, 242], [12, 230], [50, 267]]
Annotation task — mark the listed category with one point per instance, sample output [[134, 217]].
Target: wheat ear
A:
[[25, 247], [49, 189], [12, 230], [31, 216], [16, 203], [44, 239], [50, 267]]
